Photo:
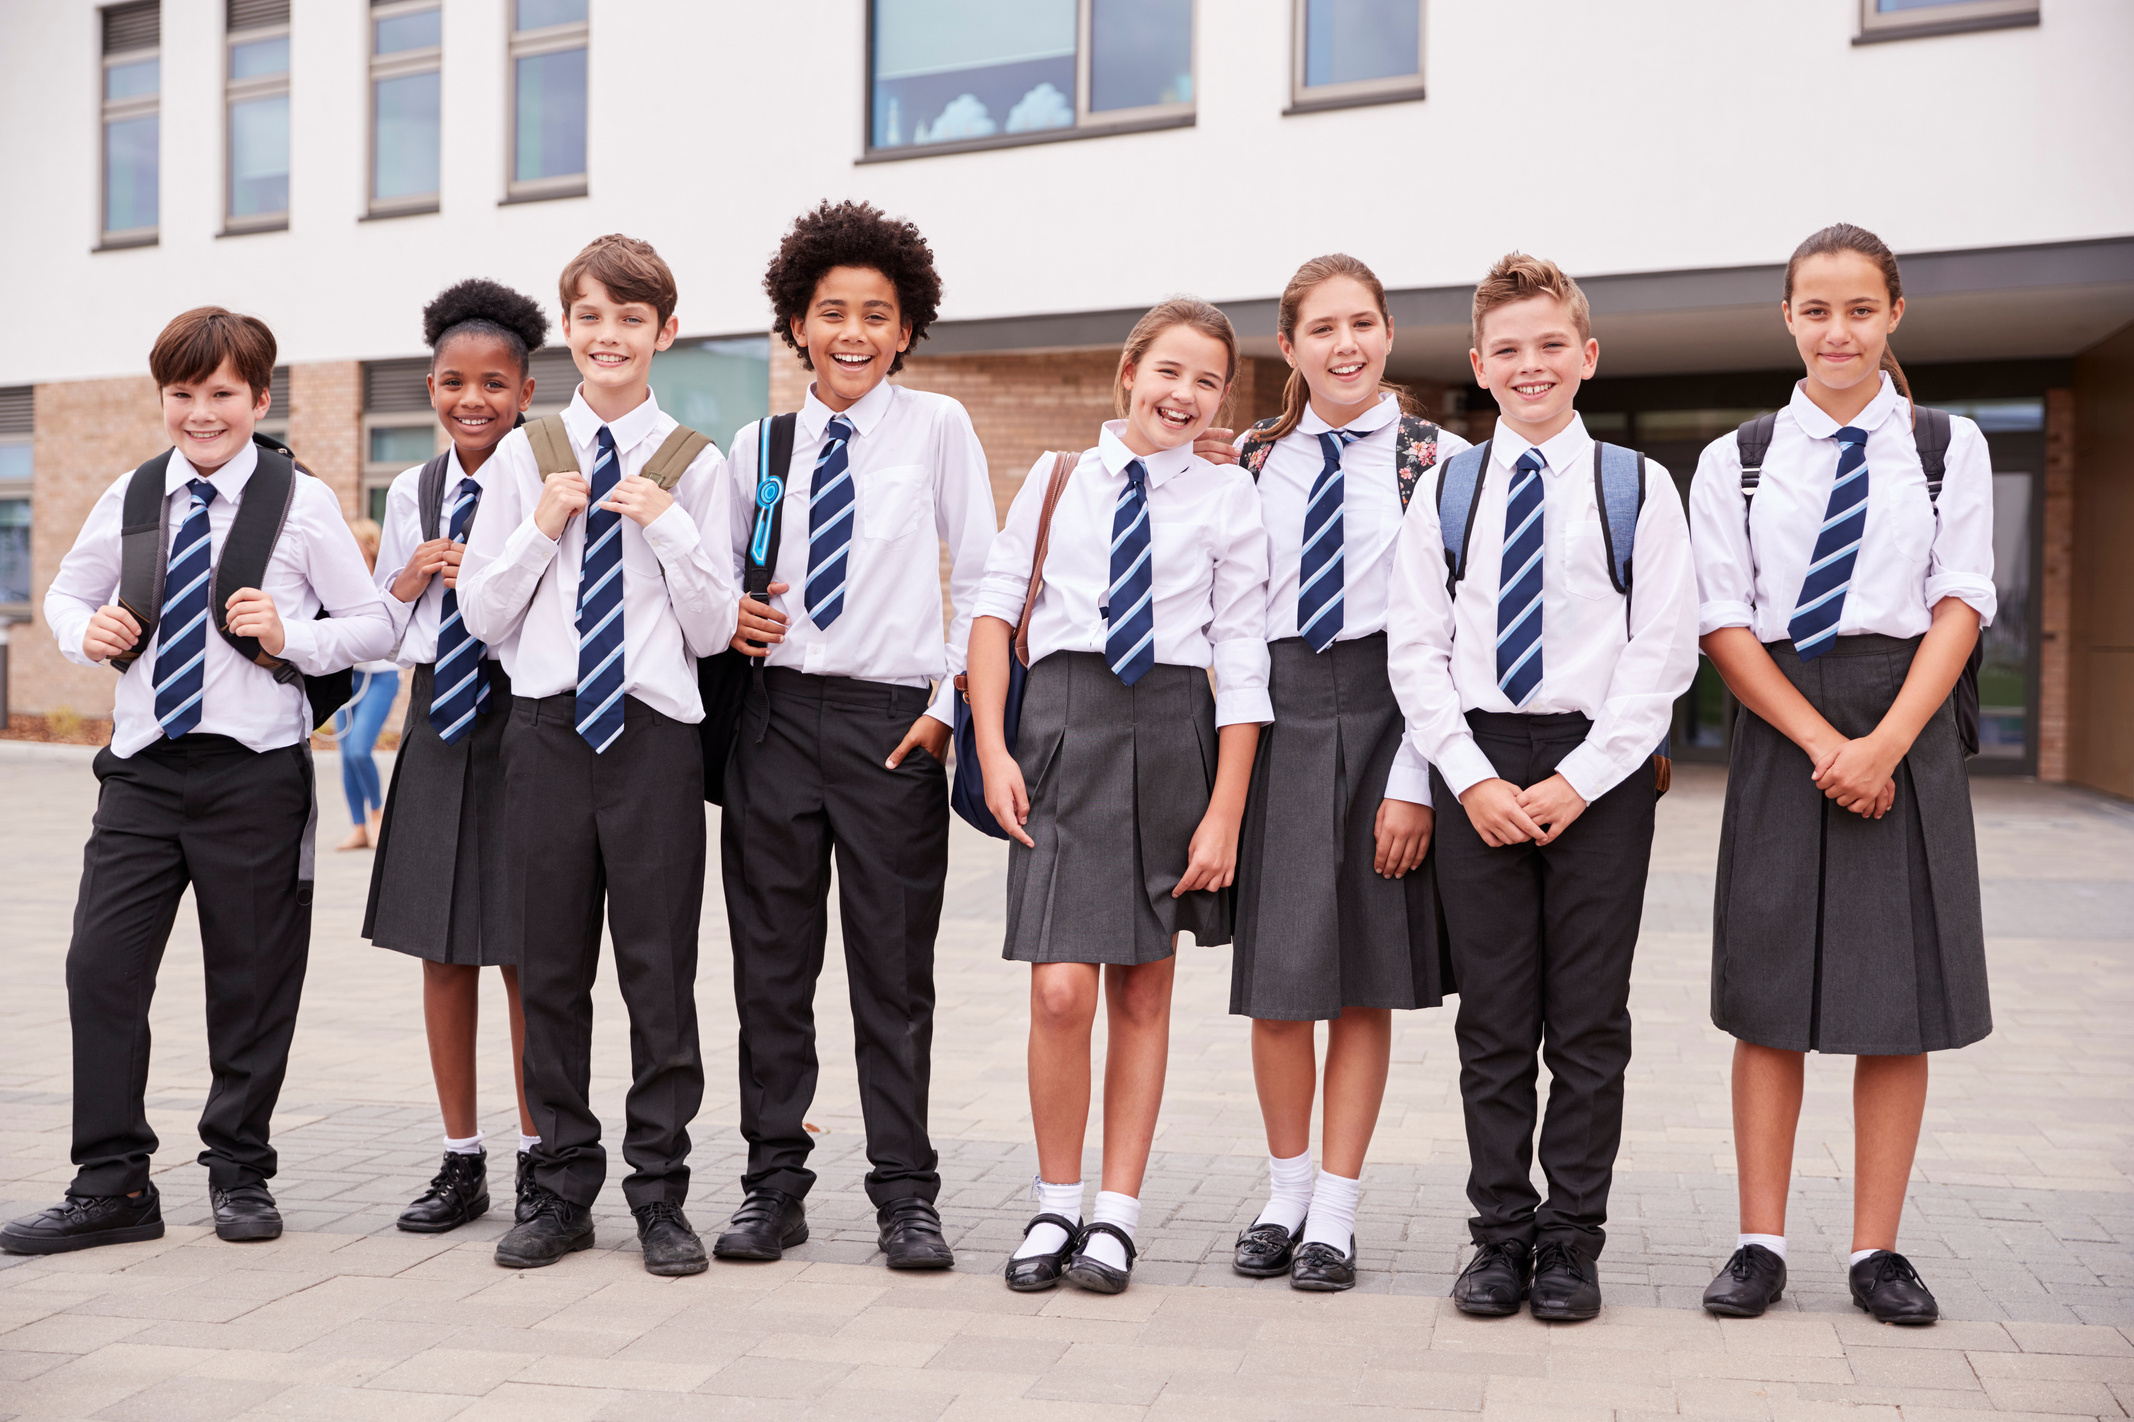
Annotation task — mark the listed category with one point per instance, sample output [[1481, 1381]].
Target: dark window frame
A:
[[1356, 93], [1950, 17]]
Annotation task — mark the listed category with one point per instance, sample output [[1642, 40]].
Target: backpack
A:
[[1618, 489], [144, 559], [1930, 438], [1414, 451], [723, 678]]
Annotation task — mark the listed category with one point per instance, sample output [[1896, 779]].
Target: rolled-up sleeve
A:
[[1960, 563], [1409, 779], [963, 517], [1237, 627], [1419, 654], [88, 577], [1719, 536], [1006, 581]]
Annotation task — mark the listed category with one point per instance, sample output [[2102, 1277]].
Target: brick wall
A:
[[326, 424], [2056, 585]]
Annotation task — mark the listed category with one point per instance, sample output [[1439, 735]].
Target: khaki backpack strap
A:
[[551, 446], [674, 456], [1063, 465]]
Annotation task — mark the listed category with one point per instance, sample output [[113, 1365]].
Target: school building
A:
[[329, 165]]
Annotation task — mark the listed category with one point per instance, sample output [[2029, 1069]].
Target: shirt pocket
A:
[[1586, 569], [894, 502], [1908, 515]]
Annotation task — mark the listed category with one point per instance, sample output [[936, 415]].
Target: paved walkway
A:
[[2021, 1217]]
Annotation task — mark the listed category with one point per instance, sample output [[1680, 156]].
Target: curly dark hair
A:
[[852, 234], [480, 307]]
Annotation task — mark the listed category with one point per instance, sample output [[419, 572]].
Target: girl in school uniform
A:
[[437, 887], [1337, 917], [357, 724], [1840, 598], [1128, 778]]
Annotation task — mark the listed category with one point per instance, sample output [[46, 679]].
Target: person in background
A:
[[357, 724]]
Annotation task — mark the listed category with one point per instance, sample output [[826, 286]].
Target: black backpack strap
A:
[[1930, 436], [774, 457], [1415, 444], [144, 554], [430, 495], [248, 546], [1753, 442]]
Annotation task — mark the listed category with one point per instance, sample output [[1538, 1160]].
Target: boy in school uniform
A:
[[599, 588], [1541, 631], [207, 781], [841, 743]]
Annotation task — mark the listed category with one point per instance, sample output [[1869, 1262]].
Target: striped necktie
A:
[[458, 691], [1130, 603], [181, 635], [1320, 573], [1519, 583], [1814, 628], [829, 523], [600, 620]]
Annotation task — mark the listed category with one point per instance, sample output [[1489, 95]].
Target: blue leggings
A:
[[358, 724]]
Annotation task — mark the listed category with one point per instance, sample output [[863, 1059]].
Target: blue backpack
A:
[[1619, 489]]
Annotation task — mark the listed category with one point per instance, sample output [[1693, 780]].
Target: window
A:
[[548, 54], [1348, 52], [1914, 19], [17, 424], [133, 82], [952, 75], [257, 94], [713, 386], [407, 51]]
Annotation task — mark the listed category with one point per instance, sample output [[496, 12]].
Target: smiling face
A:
[[1841, 317], [1340, 347], [210, 420], [611, 343], [1532, 360], [1176, 390], [852, 333], [476, 385]]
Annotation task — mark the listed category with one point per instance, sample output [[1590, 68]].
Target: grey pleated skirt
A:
[[437, 881], [1119, 777], [1835, 933]]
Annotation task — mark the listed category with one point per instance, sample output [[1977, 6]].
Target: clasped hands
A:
[[1504, 814]]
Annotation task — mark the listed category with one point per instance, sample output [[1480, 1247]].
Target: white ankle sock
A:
[[1333, 1213], [1859, 1254], [1289, 1191], [527, 1142], [472, 1145], [1113, 1209], [1062, 1200], [1776, 1243]]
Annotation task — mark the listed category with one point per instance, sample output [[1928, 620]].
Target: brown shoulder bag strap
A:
[[1063, 464], [674, 456], [551, 446]]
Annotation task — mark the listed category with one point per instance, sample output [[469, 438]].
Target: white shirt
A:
[[1909, 559], [1443, 652], [1370, 532], [416, 622], [315, 563], [518, 589], [918, 480], [1209, 557]]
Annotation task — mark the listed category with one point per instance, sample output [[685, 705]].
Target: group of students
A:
[[1385, 712]]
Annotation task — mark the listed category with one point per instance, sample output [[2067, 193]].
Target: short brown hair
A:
[[1178, 311], [1516, 277], [627, 267], [194, 346]]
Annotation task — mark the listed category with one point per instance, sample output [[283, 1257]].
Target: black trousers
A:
[[807, 780], [622, 830], [1542, 941], [203, 811]]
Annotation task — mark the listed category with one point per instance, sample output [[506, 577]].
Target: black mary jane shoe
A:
[[1094, 1274], [1566, 1287], [1034, 1272], [1323, 1269], [245, 1213], [909, 1235], [1889, 1288], [671, 1247], [768, 1223], [1265, 1250], [1751, 1282], [1495, 1281], [85, 1222], [458, 1194]]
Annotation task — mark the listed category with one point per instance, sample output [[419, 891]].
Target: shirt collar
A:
[[1817, 425], [229, 480], [584, 426], [456, 471], [1384, 413], [1161, 466], [864, 413], [1562, 450]]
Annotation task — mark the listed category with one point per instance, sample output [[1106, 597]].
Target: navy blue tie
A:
[[829, 524], [458, 692], [1814, 628], [1130, 603], [1519, 583], [1320, 573], [181, 631], [600, 623]]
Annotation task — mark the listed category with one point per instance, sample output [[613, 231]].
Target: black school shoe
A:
[[245, 1213], [1323, 1269], [768, 1223], [1094, 1274], [1566, 1287], [458, 1194], [1888, 1287], [86, 1221], [1041, 1271], [1495, 1281], [671, 1247], [521, 1207], [911, 1235], [1265, 1250], [1751, 1282], [554, 1228]]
